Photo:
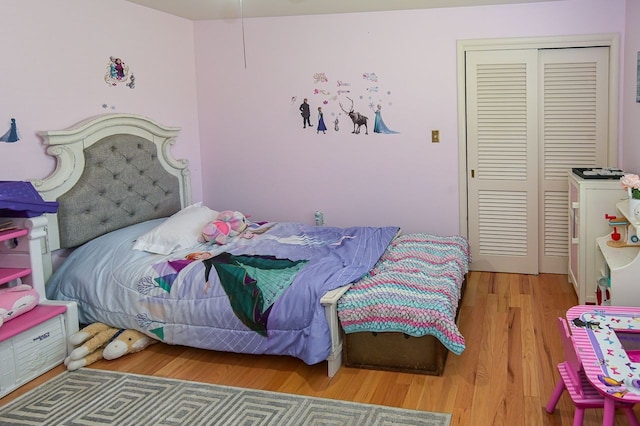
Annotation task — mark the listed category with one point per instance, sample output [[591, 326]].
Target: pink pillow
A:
[[15, 301]]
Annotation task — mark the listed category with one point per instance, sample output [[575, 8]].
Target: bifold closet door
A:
[[531, 115], [574, 111]]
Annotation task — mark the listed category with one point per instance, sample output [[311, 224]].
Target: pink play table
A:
[[607, 341]]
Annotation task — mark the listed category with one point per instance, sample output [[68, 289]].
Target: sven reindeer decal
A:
[[358, 119]]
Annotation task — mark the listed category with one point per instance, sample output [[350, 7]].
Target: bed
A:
[[126, 217], [402, 314]]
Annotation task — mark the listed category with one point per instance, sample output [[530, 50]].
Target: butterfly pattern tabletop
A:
[[607, 341]]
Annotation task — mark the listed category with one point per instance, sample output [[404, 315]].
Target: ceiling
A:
[[230, 9]]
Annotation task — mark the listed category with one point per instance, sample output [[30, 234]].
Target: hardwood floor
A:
[[504, 377]]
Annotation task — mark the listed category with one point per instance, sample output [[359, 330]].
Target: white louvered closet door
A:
[[502, 160], [531, 116], [574, 133]]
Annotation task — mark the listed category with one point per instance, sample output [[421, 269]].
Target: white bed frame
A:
[[67, 146]]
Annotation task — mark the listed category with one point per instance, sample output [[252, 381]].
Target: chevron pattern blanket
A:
[[413, 289]]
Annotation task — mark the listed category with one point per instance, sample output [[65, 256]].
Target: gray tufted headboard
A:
[[123, 183], [111, 171]]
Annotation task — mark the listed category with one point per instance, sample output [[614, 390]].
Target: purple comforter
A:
[[172, 300]]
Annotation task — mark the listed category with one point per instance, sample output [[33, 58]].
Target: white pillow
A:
[[179, 231]]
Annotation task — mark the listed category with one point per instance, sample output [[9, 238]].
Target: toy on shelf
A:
[[603, 297], [631, 238], [615, 235]]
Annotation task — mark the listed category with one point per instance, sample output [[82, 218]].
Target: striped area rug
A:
[[96, 397]]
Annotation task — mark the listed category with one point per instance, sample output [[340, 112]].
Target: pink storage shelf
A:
[[36, 316], [12, 233], [8, 274]]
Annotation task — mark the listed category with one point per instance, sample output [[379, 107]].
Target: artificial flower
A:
[[631, 182]]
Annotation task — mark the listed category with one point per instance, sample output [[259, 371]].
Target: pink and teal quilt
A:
[[414, 289]]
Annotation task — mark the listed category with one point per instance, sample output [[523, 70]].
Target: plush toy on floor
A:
[[98, 340]]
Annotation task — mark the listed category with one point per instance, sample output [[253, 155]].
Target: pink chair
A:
[[573, 379]]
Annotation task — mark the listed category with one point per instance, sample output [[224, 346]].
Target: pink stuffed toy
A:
[[15, 301], [227, 225]]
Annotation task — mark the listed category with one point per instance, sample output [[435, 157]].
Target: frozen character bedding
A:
[[258, 295]]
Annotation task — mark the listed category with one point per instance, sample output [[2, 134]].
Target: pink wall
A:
[[242, 133], [54, 57], [257, 158], [631, 110]]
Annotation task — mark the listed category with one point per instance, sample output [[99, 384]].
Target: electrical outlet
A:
[[435, 136]]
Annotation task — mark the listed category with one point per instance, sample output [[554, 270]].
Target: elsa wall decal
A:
[[12, 133]]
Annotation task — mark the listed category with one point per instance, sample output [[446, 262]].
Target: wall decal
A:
[[378, 125], [321, 126], [305, 112], [336, 97], [118, 72], [12, 133], [371, 76], [320, 77], [358, 119]]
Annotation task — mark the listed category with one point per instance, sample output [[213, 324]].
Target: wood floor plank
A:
[[530, 365], [514, 395]]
